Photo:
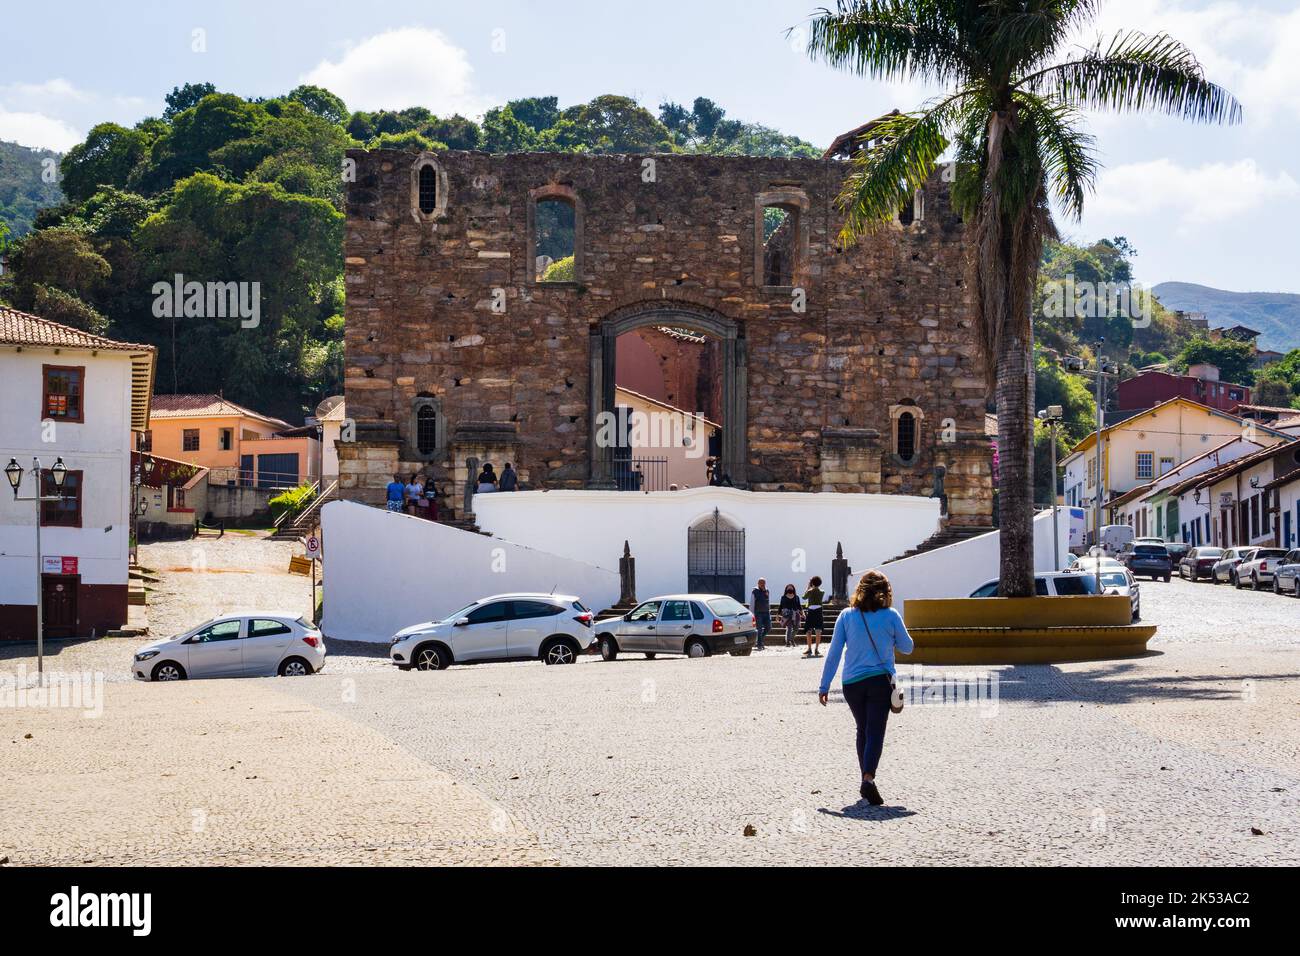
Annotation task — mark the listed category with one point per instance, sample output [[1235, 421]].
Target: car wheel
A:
[[169, 670], [1167, 578], [1236, 582], [696, 648], [559, 651], [649, 655], [294, 667], [608, 649], [1254, 581], [1214, 577], [431, 657], [1193, 575], [1277, 589]]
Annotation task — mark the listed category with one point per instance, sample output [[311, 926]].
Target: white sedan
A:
[[245, 645]]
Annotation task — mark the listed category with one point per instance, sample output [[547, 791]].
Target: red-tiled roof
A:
[[206, 405], [20, 328]]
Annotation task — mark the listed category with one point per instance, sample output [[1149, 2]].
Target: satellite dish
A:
[[328, 405]]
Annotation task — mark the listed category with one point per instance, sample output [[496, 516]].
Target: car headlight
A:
[[145, 655]]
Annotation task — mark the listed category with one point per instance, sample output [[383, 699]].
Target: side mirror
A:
[[627, 616], [462, 622]]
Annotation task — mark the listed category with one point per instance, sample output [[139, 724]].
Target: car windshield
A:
[[1209, 552], [1270, 553], [1114, 579], [1073, 585], [1156, 549], [726, 607], [459, 614]]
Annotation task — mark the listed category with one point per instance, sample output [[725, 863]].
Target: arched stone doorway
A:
[[734, 455]]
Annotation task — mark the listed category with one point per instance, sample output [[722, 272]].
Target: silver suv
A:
[[696, 625]]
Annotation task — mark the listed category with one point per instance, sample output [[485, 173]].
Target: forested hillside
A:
[[1275, 315], [22, 189], [221, 188]]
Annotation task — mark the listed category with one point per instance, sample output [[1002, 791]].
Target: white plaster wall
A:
[[1289, 503], [386, 571], [957, 570], [789, 536], [99, 447]]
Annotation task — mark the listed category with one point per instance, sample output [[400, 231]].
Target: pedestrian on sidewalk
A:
[[867, 633], [813, 598], [790, 613], [396, 494], [760, 602]]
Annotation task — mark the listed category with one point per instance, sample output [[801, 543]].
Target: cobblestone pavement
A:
[[1172, 758]]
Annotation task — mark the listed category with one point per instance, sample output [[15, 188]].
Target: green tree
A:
[[109, 156], [321, 102], [56, 274], [1011, 116], [503, 133], [1235, 360], [184, 97]]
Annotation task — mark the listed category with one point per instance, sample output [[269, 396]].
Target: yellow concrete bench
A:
[[1037, 630]]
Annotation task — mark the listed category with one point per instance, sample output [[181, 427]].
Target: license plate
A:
[[740, 639]]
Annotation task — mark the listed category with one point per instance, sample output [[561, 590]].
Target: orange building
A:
[[237, 445]]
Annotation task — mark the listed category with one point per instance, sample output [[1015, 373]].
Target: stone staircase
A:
[[950, 534], [307, 520]]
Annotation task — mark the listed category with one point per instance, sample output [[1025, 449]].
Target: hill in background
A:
[[1276, 315], [22, 190]]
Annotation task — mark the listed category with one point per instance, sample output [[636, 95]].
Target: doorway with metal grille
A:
[[715, 557]]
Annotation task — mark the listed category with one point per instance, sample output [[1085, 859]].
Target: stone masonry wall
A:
[[886, 322]]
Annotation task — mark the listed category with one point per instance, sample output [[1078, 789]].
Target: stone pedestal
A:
[[850, 460], [472, 444]]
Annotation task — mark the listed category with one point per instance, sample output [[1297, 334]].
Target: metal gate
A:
[[715, 558]]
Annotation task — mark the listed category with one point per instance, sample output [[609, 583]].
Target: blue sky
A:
[[1220, 206]]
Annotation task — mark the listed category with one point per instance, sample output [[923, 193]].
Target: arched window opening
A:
[[905, 440], [426, 430], [428, 189], [555, 241], [780, 233]]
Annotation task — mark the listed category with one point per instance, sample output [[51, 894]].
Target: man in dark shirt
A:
[[509, 478], [760, 604]]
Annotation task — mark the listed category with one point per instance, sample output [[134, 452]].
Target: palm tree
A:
[[1012, 118]]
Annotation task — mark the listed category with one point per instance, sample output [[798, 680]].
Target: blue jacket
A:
[[860, 657]]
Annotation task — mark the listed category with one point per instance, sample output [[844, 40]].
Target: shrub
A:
[[291, 501]]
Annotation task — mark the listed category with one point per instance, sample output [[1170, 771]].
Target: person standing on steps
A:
[[760, 602], [790, 613], [866, 634], [395, 494], [813, 598]]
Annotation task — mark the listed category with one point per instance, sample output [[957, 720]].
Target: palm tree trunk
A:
[[1014, 394]]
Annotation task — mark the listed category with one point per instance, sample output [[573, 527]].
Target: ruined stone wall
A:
[[885, 322]]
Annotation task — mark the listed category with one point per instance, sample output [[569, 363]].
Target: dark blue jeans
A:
[[763, 622], [869, 701]]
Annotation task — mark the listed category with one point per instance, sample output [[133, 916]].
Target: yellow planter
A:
[[1037, 630]]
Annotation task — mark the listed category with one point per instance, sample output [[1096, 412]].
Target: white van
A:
[[1115, 537]]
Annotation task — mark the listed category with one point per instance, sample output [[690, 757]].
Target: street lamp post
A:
[[1104, 368], [14, 472], [1052, 416]]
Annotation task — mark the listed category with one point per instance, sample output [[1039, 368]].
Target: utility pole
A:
[[1052, 416]]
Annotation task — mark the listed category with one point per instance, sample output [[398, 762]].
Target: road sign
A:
[[313, 547]]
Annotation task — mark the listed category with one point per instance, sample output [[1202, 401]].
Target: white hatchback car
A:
[[555, 628], [696, 625], [242, 645]]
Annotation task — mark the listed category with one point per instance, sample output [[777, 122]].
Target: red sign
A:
[[54, 564], [69, 565]]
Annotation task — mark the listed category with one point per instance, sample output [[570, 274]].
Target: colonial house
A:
[[1241, 500], [237, 445], [1151, 511], [1149, 445], [1201, 384], [70, 395]]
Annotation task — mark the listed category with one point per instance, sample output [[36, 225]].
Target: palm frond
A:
[[1136, 71], [1065, 151], [908, 145], [1026, 33], [889, 40]]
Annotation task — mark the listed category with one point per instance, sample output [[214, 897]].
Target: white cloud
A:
[[1189, 197], [36, 129], [411, 66]]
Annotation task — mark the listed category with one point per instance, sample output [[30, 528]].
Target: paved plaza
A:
[[1175, 758]]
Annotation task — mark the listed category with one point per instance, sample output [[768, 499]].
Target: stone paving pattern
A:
[[1168, 759]]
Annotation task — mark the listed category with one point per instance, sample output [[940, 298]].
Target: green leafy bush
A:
[[292, 501]]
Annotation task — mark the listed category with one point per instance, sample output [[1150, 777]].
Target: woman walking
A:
[[812, 620], [790, 608], [866, 634]]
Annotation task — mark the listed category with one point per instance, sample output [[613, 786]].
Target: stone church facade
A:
[[843, 369]]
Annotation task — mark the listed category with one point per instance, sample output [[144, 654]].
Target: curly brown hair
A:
[[873, 592]]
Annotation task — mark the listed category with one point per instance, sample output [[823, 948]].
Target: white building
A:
[[76, 396]]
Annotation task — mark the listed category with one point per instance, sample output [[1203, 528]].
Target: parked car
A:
[[1051, 584], [1199, 563], [554, 628], [1151, 559], [1177, 551], [1225, 569], [1122, 581], [1286, 578], [1258, 568], [696, 625], [246, 645]]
